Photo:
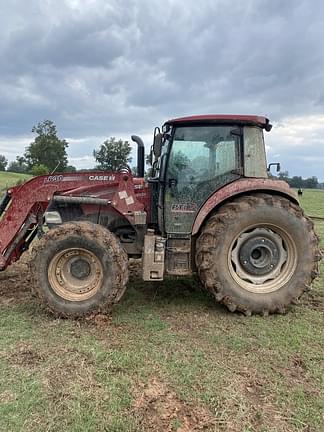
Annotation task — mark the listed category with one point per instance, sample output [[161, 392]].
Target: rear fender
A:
[[241, 187]]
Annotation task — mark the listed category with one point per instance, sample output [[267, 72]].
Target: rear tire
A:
[[258, 254], [79, 268]]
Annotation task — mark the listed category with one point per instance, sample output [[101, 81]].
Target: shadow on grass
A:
[[185, 294]]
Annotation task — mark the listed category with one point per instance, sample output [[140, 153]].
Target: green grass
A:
[[312, 201], [8, 179], [168, 358]]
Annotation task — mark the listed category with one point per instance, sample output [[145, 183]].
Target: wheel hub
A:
[[80, 268], [258, 255], [75, 274]]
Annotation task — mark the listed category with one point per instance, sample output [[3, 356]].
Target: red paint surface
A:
[[257, 120], [240, 187], [142, 193]]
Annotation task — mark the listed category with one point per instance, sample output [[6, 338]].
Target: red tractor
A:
[[207, 207]]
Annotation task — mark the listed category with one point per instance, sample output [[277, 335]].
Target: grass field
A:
[[168, 359], [8, 179]]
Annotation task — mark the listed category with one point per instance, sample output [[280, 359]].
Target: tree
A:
[[47, 149], [18, 166], [70, 168], [311, 182], [39, 170], [283, 175], [3, 162], [296, 182], [113, 154]]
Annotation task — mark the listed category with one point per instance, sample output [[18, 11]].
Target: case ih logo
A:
[[102, 177]]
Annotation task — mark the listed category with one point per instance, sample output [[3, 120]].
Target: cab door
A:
[[202, 160]]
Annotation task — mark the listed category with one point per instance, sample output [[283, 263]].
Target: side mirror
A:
[[273, 164], [166, 128], [157, 145]]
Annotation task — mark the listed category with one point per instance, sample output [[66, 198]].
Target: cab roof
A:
[[260, 121]]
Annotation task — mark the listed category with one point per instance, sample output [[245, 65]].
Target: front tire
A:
[[258, 254], [79, 268]]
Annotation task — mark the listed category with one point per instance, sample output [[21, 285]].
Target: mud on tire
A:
[[257, 254], [79, 268]]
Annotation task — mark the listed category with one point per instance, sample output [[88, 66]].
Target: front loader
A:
[[208, 207]]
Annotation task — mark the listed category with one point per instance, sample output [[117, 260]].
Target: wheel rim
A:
[[262, 259], [75, 274]]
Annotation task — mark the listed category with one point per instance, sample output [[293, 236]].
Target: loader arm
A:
[[22, 208]]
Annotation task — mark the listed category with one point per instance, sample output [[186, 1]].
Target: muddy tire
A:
[[79, 268], [257, 254]]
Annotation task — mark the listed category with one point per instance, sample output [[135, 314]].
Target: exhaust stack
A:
[[140, 155]]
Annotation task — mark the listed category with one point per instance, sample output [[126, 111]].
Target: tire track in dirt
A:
[[15, 282]]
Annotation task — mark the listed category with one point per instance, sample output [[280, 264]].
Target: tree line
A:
[[298, 182], [48, 153]]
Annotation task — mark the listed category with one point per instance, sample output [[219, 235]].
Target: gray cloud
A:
[[101, 68]]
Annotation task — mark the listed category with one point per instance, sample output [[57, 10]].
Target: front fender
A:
[[240, 187]]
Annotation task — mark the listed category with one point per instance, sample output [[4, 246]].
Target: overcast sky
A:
[[101, 68]]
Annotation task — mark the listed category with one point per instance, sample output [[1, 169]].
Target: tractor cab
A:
[[192, 157]]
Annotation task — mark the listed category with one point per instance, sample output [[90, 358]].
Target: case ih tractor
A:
[[208, 207]]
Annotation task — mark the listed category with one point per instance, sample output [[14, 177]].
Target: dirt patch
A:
[[7, 397], [158, 408], [314, 301], [15, 282], [24, 355], [99, 320], [70, 373], [297, 374], [135, 269], [247, 400]]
